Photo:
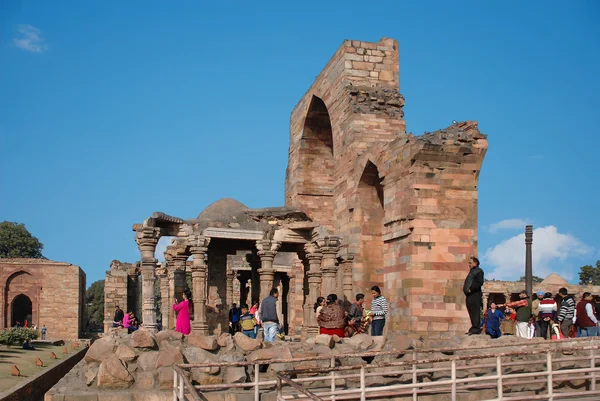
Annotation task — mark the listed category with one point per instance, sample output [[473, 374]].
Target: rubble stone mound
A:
[[124, 367]]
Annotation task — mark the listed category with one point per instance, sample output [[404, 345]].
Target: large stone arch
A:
[[368, 217], [316, 165], [21, 309], [24, 283]]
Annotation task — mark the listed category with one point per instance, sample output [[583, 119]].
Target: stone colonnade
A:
[[324, 275]]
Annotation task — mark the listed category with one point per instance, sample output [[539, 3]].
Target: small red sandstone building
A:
[[43, 292]]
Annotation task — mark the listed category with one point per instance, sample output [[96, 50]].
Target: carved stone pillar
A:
[[484, 300], [147, 238], [229, 292], [266, 252], [329, 247], [165, 306], [310, 327], [199, 248], [347, 261]]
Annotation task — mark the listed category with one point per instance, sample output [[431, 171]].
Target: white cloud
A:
[[161, 247], [508, 224], [551, 252], [30, 39]]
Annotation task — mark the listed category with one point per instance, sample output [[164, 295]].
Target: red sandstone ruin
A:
[[366, 204]]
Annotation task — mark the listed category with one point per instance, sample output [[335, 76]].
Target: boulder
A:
[[232, 356], [235, 374], [100, 350], [208, 343], [113, 374], [378, 344], [125, 353], [165, 378], [169, 335], [198, 376], [325, 339], [402, 343], [246, 343], [147, 361], [145, 380], [272, 353], [337, 339], [225, 341], [144, 339], [197, 355], [91, 373], [169, 356], [360, 342]]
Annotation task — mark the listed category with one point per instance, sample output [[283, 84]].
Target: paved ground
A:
[[25, 361]]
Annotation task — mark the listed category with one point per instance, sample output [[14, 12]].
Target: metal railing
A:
[[291, 384]]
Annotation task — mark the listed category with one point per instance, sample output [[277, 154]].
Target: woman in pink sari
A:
[[183, 313]]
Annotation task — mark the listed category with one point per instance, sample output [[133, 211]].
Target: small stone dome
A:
[[223, 209], [554, 279]]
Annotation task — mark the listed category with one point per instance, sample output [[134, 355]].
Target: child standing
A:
[[247, 322]]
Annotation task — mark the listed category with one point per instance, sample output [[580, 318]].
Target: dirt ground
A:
[[25, 361]]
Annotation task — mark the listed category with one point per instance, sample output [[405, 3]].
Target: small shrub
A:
[[17, 335]]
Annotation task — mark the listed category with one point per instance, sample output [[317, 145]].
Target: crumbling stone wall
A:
[[405, 206], [115, 291]]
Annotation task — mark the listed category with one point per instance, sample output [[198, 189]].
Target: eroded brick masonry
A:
[[406, 206], [43, 292]]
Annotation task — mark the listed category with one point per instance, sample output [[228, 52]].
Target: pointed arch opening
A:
[[21, 310], [317, 164], [370, 215]]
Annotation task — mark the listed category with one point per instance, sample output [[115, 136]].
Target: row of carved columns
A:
[[322, 275]]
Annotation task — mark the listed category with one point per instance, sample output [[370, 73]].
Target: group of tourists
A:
[[333, 319], [125, 320], [545, 315], [25, 324]]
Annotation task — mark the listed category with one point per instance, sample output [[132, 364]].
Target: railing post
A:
[[181, 389], [549, 370], [256, 382], [592, 365], [332, 365], [363, 396], [279, 395], [499, 374], [414, 376], [175, 397], [453, 376]]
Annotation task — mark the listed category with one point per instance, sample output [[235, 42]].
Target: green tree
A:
[[94, 298], [17, 242], [590, 274], [534, 279]]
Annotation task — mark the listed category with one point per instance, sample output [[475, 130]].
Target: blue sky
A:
[[112, 110]]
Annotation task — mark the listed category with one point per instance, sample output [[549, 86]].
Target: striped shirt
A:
[[567, 309], [547, 308], [379, 307]]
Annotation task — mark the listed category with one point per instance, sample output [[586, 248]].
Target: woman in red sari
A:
[[182, 308], [332, 319]]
